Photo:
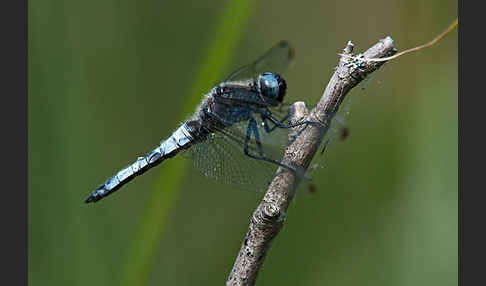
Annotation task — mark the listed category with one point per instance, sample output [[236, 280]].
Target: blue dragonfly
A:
[[237, 133]]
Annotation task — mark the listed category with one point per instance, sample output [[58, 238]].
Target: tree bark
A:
[[267, 220]]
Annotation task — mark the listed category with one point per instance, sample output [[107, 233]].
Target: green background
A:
[[109, 79]]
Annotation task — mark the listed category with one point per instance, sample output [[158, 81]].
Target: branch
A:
[[268, 218]]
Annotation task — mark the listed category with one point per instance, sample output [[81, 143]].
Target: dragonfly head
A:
[[272, 86]]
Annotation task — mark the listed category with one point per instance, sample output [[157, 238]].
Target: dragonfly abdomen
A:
[[181, 139]]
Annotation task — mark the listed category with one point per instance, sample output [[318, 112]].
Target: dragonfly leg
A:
[[267, 127], [252, 128], [279, 123]]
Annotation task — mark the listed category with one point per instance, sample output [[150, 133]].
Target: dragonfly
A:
[[233, 135]]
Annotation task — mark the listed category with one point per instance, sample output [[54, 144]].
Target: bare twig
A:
[[444, 33], [268, 218]]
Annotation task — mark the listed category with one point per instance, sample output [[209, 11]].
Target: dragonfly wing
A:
[[221, 156], [275, 60]]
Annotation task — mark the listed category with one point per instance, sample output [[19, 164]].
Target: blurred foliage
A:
[[108, 80]]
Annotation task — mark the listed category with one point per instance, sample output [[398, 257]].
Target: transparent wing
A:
[[221, 156], [275, 60], [339, 130], [337, 133]]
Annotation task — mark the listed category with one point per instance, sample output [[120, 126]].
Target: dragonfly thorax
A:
[[272, 86]]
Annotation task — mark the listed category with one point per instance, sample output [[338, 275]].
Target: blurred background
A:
[[108, 80]]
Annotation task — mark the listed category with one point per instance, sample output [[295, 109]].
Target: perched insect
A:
[[230, 136]]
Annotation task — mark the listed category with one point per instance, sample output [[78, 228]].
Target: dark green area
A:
[[108, 80]]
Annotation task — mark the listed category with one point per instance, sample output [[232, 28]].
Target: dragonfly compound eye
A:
[[272, 86]]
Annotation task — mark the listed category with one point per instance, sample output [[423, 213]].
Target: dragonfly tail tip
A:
[[90, 199]]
